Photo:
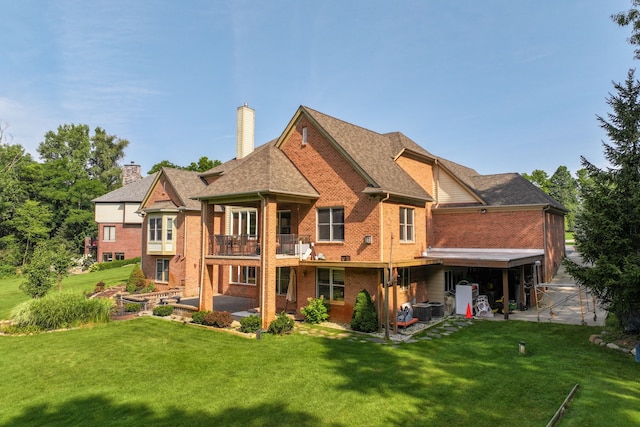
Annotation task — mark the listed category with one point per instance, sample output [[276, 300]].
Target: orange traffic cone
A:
[[468, 316]]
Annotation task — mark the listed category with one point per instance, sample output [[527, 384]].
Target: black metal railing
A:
[[249, 246]]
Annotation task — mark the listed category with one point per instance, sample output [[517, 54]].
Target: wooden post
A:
[[505, 293]]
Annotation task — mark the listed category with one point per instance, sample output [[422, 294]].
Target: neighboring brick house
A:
[[328, 207], [168, 258], [119, 224]]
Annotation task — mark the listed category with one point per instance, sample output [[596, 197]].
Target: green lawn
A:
[[11, 296], [150, 371]]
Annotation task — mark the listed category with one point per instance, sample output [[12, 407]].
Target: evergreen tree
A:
[[364, 317], [607, 229]]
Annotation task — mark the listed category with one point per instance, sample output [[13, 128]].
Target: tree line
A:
[[48, 202]]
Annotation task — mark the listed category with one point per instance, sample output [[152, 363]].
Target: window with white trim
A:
[[330, 283], [155, 229], [109, 233], [162, 270], [244, 275], [330, 224], [169, 229], [406, 224], [283, 275], [119, 256], [244, 222], [107, 256]]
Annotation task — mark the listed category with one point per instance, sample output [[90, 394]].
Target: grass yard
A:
[[11, 295], [149, 371]]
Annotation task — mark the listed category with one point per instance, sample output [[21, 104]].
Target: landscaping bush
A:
[[163, 310], [316, 310], [61, 310], [364, 317], [7, 271], [137, 282], [132, 307], [250, 324], [281, 324], [98, 266], [198, 316], [218, 319]]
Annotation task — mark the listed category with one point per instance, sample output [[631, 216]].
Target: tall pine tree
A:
[[607, 230]]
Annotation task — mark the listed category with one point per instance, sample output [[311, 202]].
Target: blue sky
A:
[[499, 86]]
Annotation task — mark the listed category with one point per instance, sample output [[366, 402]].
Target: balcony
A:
[[249, 246]]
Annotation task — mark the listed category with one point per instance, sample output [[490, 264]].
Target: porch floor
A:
[[238, 306]]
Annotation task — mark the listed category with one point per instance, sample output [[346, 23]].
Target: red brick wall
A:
[[339, 185], [494, 229], [128, 240], [184, 266]]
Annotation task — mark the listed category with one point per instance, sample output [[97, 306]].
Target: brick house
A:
[[171, 231], [330, 208], [119, 224]]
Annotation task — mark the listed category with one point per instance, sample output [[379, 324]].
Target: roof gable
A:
[[133, 192], [264, 171], [370, 153], [184, 184]]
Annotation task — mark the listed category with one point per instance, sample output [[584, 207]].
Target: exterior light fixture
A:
[[522, 349], [483, 211], [368, 239]]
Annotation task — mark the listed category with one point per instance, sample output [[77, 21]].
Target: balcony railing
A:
[[249, 246]]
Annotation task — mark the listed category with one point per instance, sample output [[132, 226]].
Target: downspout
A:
[[387, 277], [544, 235], [382, 225], [437, 182], [203, 214]]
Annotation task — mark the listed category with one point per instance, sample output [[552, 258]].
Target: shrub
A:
[[250, 324], [7, 271], [61, 310], [315, 311], [218, 319], [163, 310], [99, 266], [137, 282], [364, 317], [198, 316], [281, 324], [132, 307]]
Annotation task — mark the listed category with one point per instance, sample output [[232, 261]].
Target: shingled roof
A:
[[374, 154], [266, 170], [504, 189], [186, 184], [132, 193]]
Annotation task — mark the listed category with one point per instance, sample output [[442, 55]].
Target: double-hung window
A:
[[331, 224], [406, 225], [109, 233], [330, 283], [155, 229], [162, 270]]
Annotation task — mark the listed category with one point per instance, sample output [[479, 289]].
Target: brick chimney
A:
[[130, 173], [245, 131]]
